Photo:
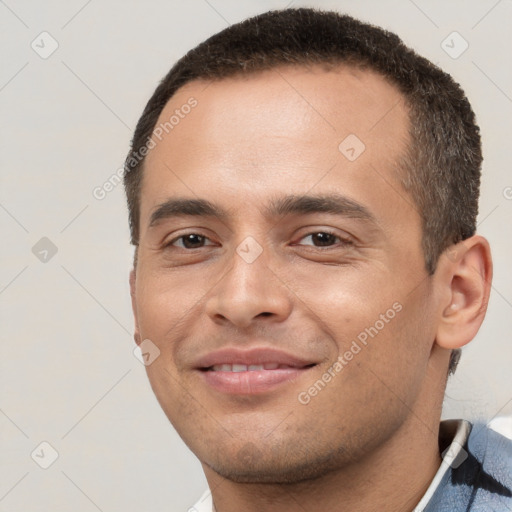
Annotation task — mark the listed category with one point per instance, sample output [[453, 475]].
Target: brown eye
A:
[[189, 241], [324, 239]]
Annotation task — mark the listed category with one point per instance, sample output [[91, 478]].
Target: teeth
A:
[[243, 367]]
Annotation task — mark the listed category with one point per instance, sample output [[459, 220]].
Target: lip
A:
[[253, 356], [254, 381]]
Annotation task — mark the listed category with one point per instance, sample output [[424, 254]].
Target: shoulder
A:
[[489, 462], [476, 470], [484, 472]]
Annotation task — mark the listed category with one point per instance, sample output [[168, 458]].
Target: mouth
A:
[[251, 372], [238, 368]]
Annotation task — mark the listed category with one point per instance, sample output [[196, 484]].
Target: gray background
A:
[[68, 373]]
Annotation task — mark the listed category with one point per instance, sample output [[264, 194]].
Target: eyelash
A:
[[342, 241]]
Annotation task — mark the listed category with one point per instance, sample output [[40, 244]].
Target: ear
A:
[[136, 334], [465, 279]]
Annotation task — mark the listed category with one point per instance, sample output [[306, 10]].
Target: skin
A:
[[374, 426]]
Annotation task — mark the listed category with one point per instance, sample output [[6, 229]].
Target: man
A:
[[303, 194]]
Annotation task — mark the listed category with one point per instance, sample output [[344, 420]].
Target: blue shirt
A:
[[476, 472]]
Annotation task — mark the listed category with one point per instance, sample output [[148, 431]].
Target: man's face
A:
[[251, 310]]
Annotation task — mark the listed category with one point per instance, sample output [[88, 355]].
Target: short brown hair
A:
[[441, 168]]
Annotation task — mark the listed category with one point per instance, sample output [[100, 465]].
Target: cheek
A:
[[165, 301], [376, 373], [372, 324], [346, 299]]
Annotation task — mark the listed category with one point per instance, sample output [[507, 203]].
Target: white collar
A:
[[453, 456]]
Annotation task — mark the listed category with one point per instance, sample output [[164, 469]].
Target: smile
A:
[[251, 371], [237, 368]]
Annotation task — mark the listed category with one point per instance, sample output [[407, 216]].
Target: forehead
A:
[[287, 128], [342, 96], [281, 106]]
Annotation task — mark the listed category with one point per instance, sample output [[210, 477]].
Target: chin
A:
[[252, 466]]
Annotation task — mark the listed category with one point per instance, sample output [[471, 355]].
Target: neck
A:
[[392, 478]]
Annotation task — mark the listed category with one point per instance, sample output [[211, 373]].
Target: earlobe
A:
[[466, 275], [136, 333]]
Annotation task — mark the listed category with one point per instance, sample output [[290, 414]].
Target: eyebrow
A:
[[335, 204], [186, 207]]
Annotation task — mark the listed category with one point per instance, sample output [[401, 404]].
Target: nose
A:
[[249, 292]]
